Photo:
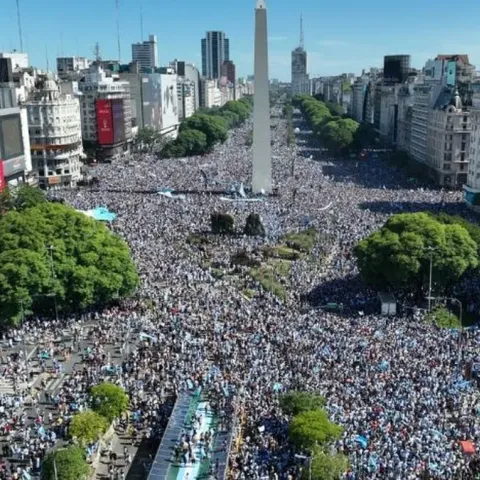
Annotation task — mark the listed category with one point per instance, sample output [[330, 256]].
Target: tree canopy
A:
[[254, 225], [327, 122], [65, 463], [213, 123], [326, 466], [52, 250], [108, 400], [87, 427], [20, 198], [311, 428], [293, 403], [398, 255], [222, 223]]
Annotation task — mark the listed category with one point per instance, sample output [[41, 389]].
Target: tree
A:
[[87, 427], [241, 109], [326, 466], [149, 137], [398, 255], [86, 265], [26, 196], [66, 464], [108, 400], [254, 226], [232, 119], [443, 318], [312, 428], [472, 228], [364, 136], [214, 127], [174, 149], [222, 223], [193, 142], [293, 403], [337, 136]]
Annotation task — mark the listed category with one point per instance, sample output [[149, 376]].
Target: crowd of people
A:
[[397, 386]]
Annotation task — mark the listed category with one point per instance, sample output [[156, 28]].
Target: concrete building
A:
[[146, 54], [188, 88], [396, 69], [404, 117], [106, 112], [472, 187], [55, 135], [449, 139], [300, 80], [19, 60], [262, 156], [229, 71], [215, 51], [211, 96], [359, 89], [154, 101], [15, 156], [68, 66]]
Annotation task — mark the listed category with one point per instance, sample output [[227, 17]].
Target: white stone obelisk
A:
[[262, 156]]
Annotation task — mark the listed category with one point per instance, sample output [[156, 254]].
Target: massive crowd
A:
[[397, 386]]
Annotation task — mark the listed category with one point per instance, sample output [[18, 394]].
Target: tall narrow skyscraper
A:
[[262, 157], [215, 51], [300, 81]]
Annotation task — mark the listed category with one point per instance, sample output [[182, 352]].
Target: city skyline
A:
[[367, 33]]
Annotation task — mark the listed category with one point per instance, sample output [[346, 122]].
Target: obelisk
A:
[[262, 156]]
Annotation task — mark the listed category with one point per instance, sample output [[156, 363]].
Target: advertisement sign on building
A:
[[104, 122], [118, 114], [2, 177]]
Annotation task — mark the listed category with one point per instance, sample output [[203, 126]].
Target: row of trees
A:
[[398, 256], [313, 435], [224, 223], [328, 122], [207, 127], [108, 402], [288, 114], [53, 257]]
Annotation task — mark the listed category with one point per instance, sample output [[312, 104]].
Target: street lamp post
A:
[[23, 340], [52, 266]]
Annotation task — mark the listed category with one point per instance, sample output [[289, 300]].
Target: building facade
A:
[[105, 108], [472, 186], [359, 89], [300, 80], [55, 135], [229, 71], [396, 69], [68, 66], [215, 51], [146, 54], [19, 60], [154, 101], [211, 96]]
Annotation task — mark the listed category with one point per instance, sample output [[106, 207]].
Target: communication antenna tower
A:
[[117, 6], [141, 20], [301, 31], [96, 52], [19, 26]]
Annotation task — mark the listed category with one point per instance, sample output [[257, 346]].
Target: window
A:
[[446, 166]]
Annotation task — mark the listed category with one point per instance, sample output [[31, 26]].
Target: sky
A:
[[340, 36]]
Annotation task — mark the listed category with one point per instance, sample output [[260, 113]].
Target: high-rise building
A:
[[55, 130], [66, 66], [228, 70], [215, 50], [396, 68], [146, 54], [262, 155], [300, 80], [472, 187], [106, 111]]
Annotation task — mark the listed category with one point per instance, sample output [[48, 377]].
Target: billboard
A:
[[118, 115], [2, 177], [11, 142], [104, 122]]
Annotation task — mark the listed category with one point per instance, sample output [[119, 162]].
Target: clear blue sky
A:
[[340, 36]]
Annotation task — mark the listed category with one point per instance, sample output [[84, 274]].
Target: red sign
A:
[[2, 177], [104, 122]]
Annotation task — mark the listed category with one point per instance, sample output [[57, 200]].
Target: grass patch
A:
[[301, 241], [197, 239], [249, 293], [280, 251], [266, 278], [218, 272], [281, 267]]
